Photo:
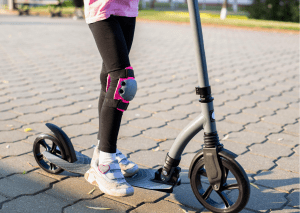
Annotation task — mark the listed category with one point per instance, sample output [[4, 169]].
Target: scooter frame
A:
[[212, 154]]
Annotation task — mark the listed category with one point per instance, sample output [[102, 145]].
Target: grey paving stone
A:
[[2, 198], [290, 163], [242, 118], [86, 104], [179, 124], [25, 102], [272, 105], [284, 139], [17, 148], [6, 107], [254, 98], [100, 202], [133, 114], [258, 111], [254, 163], [148, 158], [23, 94], [245, 137], [37, 203], [140, 196], [5, 99], [184, 195], [237, 148], [240, 104], [163, 206], [191, 147], [278, 179], [34, 118], [294, 199], [84, 97], [50, 96], [170, 115], [263, 128], [24, 184], [129, 131], [260, 199], [285, 99], [25, 163], [7, 115], [136, 143], [29, 109], [147, 123], [294, 105], [91, 113], [270, 150], [156, 107], [287, 209], [82, 129], [292, 128], [225, 110], [226, 127], [282, 117], [73, 189], [63, 110], [66, 120], [10, 125], [161, 133], [85, 141], [12, 136], [57, 103], [296, 150], [37, 128]]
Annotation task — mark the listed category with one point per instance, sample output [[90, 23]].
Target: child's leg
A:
[[114, 38], [112, 46]]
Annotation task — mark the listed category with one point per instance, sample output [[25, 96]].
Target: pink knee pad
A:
[[125, 90]]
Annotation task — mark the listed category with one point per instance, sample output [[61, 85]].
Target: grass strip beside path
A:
[[212, 18], [208, 17]]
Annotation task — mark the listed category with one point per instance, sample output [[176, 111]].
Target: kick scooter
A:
[[218, 181]]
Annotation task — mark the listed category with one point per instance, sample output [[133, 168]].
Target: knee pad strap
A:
[[125, 90]]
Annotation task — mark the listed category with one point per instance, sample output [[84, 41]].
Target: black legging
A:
[[113, 37]]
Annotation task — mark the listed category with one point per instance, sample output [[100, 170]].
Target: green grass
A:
[[208, 17]]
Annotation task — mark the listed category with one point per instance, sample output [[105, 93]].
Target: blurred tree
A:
[[277, 10], [152, 4], [224, 10]]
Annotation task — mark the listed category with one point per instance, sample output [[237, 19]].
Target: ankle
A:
[[106, 158]]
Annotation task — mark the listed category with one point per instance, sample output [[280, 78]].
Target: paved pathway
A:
[[49, 72]]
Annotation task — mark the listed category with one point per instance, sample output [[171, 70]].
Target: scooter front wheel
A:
[[234, 191], [48, 143]]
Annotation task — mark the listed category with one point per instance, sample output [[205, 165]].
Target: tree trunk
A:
[[152, 4], [224, 10]]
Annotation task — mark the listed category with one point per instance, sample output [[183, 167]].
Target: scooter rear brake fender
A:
[[65, 141], [223, 153]]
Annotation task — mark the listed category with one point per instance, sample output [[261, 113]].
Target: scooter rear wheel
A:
[[234, 191], [49, 143]]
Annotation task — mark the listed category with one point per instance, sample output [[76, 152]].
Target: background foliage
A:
[[277, 10]]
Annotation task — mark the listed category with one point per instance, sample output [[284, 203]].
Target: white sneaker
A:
[[128, 168], [109, 179]]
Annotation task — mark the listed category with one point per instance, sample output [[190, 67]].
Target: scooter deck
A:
[[143, 179]]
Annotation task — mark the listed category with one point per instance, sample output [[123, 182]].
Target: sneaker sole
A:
[[92, 180]]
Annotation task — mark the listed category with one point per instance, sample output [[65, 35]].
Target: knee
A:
[[121, 88]]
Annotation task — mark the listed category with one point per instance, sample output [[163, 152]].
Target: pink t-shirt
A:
[[96, 10]]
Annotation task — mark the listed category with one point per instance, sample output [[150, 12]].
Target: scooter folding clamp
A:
[[205, 94]]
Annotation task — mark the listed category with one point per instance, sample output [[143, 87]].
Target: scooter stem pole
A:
[[198, 36]]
